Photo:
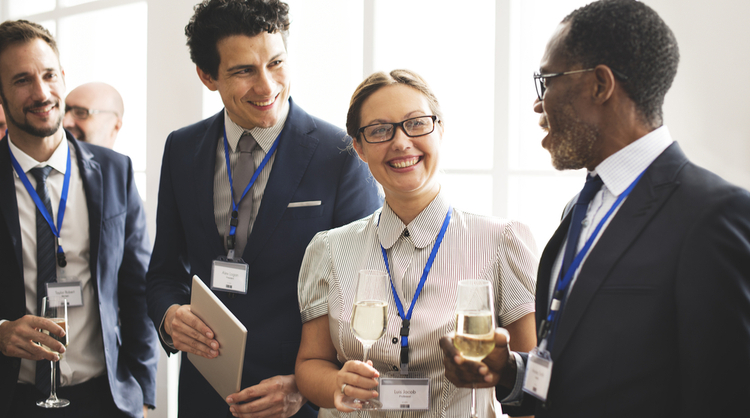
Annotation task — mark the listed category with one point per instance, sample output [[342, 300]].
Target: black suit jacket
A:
[[119, 252], [312, 164], [658, 321]]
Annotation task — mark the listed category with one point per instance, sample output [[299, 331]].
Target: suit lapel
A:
[[203, 167], [8, 203], [91, 176], [652, 191], [296, 148], [544, 275]]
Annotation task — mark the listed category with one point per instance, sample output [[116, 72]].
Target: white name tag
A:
[[411, 394], [228, 276], [57, 292], [538, 374]]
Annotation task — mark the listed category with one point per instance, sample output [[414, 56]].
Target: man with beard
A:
[[93, 113], [643, 293], [97, 257]]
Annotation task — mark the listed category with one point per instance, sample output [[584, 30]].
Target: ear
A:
[[206, 79], [360, 151], [605, 84], [118, 125]]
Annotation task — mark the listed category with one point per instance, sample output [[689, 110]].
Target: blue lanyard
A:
[[563, 283], [235, 209], [406, 317], [40, 205]]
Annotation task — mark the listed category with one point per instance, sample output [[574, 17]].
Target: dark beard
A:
[[575, 143], [29, 129]]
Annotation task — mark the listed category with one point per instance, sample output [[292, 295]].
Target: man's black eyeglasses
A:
[[412, 127], [540, 80]]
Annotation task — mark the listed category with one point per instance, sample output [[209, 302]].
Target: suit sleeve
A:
[[168, 277], [139, 350], [357, 194], [713, 310]]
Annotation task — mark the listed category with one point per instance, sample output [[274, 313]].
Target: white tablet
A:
[[224, 372]]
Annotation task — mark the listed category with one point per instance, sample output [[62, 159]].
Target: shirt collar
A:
[[621, 169], [263, 136], [57, 161], [423, 230]]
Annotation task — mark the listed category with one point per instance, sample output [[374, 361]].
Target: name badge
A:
[[405, 393], [230, 276], [57, 292], [538, 374]]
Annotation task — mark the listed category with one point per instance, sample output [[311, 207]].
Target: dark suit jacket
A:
[[658, 321], [311, 164], [119, 251]]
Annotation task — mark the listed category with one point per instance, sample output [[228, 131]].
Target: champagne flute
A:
[[475, 325], [369, 319], [57, 312]]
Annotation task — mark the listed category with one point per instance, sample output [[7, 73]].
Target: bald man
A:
[[93, 113], [3, 124]]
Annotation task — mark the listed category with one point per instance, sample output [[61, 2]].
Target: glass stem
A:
[[53, 382], [473, 401], [366, 348]]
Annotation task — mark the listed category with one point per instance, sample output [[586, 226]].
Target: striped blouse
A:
[[475, 247]]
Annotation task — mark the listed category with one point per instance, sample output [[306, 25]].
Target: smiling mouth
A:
[[266, 103], [41, 109], [408, 162]]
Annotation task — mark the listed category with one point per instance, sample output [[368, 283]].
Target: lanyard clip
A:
[[405, 328]]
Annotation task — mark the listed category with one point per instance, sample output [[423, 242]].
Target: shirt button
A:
[[394, 340], [406, 233], [395, 368]]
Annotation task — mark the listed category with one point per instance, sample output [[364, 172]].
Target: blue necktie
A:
[[593, 184], [46, 269]]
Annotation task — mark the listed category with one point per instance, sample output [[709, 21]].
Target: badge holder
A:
[[405, 391], [538, 373], [230, 275]]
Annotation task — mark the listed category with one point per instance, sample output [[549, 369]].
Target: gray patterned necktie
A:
[[241, 176]]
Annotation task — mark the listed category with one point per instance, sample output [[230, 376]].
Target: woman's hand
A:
[[355, 380]]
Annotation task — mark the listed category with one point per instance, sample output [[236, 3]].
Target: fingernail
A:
[[214, 345], [214, 353], [230, 400]]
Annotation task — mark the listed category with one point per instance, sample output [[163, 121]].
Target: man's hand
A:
[[498, 367], [276, 397], [18, 338], [189, 333]]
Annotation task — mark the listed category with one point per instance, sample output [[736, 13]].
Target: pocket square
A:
[[305, 204]]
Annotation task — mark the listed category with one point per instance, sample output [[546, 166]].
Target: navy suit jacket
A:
[[311, 164], [119, 252], [658, 321]]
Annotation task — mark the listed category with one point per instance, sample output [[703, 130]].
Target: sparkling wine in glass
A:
[[369, 320], [475, 325], [57, 312]]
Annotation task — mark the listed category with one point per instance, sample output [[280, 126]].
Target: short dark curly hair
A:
[[215, 20], [630, 38]]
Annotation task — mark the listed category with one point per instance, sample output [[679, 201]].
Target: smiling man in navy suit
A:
[[98, 256], [241, 195], [643, 293]]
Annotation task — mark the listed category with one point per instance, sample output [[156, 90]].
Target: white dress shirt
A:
[[84, 356]]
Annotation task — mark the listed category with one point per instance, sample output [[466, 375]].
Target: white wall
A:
[[706, 109]]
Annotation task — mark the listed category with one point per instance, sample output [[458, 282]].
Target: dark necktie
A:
[[46, 270], [241, 176], [593, 184]]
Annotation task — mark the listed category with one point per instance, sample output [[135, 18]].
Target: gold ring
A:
[[343, 387]]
